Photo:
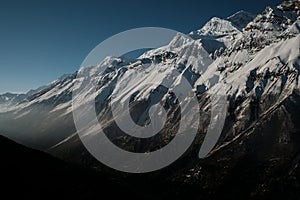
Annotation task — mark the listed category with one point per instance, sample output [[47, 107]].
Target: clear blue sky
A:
[[40, 40]]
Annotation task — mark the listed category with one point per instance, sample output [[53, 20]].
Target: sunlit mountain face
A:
[[253, 59]]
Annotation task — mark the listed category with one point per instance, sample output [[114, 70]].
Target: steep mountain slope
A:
[[246, 68], [48, 109], [50, 113], [219, 34], [241, 19], [8, 100], [216, 35], [255, 64]]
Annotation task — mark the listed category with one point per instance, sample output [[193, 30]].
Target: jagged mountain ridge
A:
[[9, 99], [218, 34], [257, 155], [258, 81], [241, 19]]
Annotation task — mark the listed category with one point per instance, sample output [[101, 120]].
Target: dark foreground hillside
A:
[[30, 174]]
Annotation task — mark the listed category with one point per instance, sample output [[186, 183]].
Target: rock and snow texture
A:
[[255, 60], [216, 27], [8, 100], [240, 19]]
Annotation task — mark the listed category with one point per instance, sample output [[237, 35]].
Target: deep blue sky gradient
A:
[[41, 40]]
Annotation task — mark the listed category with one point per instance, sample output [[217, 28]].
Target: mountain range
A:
[[253, 59]]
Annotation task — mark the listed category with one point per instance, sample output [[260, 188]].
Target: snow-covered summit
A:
[[215, 27], [252, 63], [219, 27], [216, 35], [241, 19], [277, 18]]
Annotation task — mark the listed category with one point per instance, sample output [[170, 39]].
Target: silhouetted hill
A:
[[32, 174]]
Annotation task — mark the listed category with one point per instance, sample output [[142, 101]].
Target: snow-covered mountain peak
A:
[[179, 45], [110, 61], [179, 40], [241, 19], [9, 99], [277, 18], [289, 5], [216, 35], [273, 25], [243, 63], [216, 27]]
